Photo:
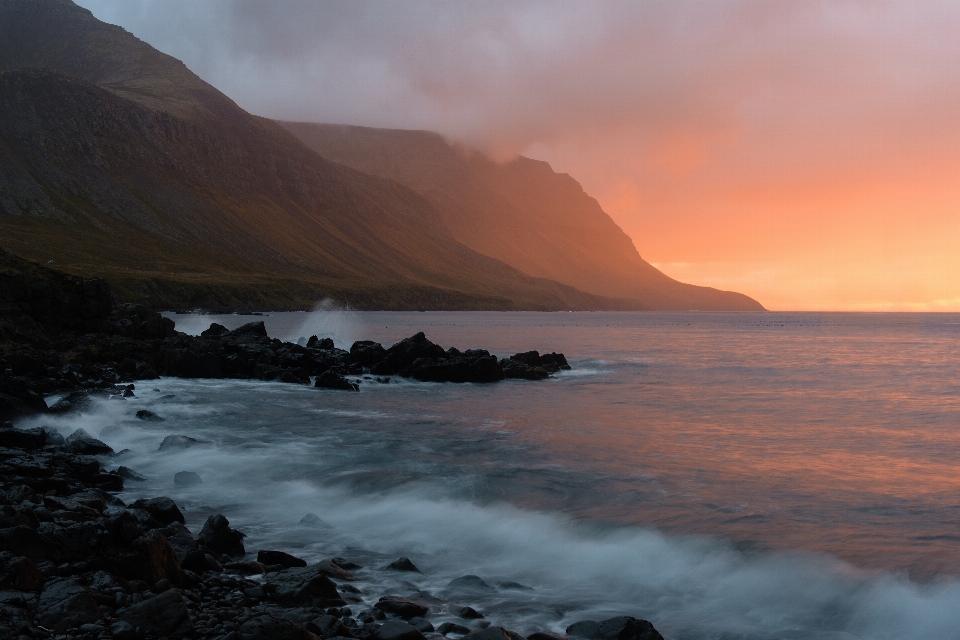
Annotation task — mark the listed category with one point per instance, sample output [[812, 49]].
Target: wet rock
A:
[[619, 628], [332, 380], [246, 568], [453, 627], [200, 562], [129, 474], [367, 352], [149, 416], [313, 520], [22, 574], [402, 607], [279, 557], [22, 439], [24, 540], [403, 564], [123, 631], [345, 564], [546, 635], [178, 443], [65, 604], [304, 586], [252, 329], [517, 369], [398, 630], [422, 625], [74, 401], [511, 585], [83, 443], [214, 331], [403, 354], [468, 613], [493, 633], [186, 479], [328, 627], [165, 614], [267, 627], [470, 582], [163, 510], [151, 558], [220, 538]]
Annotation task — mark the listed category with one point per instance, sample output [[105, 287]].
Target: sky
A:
[[806, 153]]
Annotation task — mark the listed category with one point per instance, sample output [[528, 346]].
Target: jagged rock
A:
[[402, 607], [304, 586], [252, 328], [267, 627], [220, 538], [619, 628], [214, 331], [313, 520], [152, 558], [162, 615], [149, 416], [279, 557], [367, 352], [74, 401], [129, 474], [65, 604], [163, 510], [403, 564], [328, 627], [187, 479], [83, 443], [405, 353], [517, 369], [398, 630], [470, 582], [332, 380], [25, 541]]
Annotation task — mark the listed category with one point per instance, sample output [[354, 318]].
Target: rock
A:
[[398, 630], [246, 568], [22, 574], [178, 443], [469, 613], [510, 584], [65, 604], [453, 627], [546, 635], [162, 615], [516, 369], [304, 586], [129, 474], [345, 564], [403, 564], [328, 627], [186, 479], [332, 380], [267, 627], [252, 328], [422, 625], [281, 558], [493, 633], [24, 540], [220, 538], [200, 562], [405, 353], [163, 510], [83, 443], [367, 352], [473, 365], [313, 520], [402, 607], [149, 416], [554, 362], [151, 559], [22, 439], [619, 628], [123, 631], [74, 401], [470, 582], [214, 331]]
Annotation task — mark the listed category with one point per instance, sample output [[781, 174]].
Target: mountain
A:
[[520, 212], [117, 161]]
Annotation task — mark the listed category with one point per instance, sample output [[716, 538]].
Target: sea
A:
[[724, 475]]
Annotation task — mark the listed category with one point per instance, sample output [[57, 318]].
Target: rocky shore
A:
[[77, 563]]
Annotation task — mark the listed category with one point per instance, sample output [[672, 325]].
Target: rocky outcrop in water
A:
[[76, 563]]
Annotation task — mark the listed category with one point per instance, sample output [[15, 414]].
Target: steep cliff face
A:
[[116, 160], [521, 212]]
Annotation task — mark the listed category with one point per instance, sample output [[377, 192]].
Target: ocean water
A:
[[726, 476]]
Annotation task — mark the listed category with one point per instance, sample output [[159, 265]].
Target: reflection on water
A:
[[761, 435]]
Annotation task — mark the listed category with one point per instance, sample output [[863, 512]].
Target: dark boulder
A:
[[149, 416], [403, 564], [186, 479], [65, 604], [129, 474], [164, 615], [220, 538], [493, 633], [546, 635], [162, 510], [178, 442], [367, 352], [331, 380], [328, 627], [470, 582], [279, 558], [268, 627], [150, 559], [402, 607], [305, 586], [453, 627], [214, 331], [469, 613], [398, 630], [30, 439], [406, 352], [74, 401], [21, 574], [24, 540], [83, 443], [619, 628], [517, 369], [251, 329]]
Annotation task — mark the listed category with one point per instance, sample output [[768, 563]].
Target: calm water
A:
[[724, 475]]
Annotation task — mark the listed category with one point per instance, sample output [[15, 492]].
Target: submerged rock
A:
[[187, 479], [333, 380], [279, 558], [619, 628], [82, 442]]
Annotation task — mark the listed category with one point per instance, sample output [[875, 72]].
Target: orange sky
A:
[[804, 152]]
